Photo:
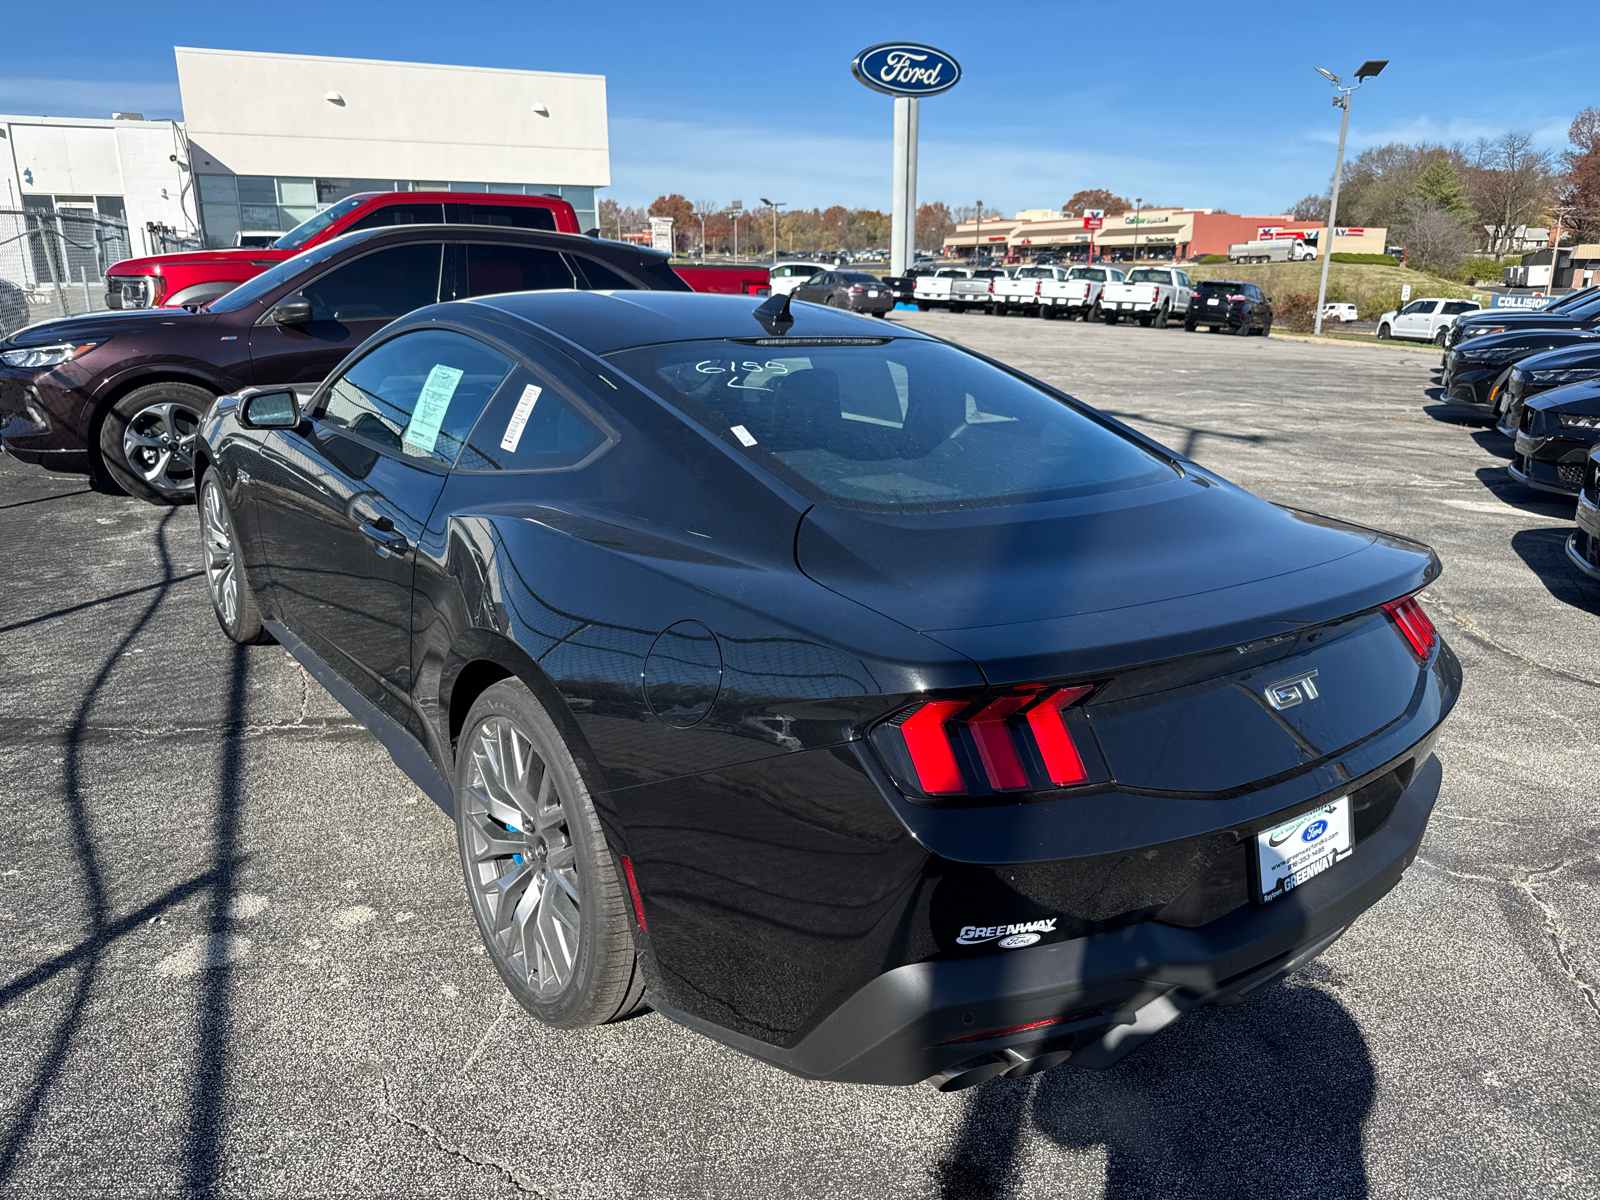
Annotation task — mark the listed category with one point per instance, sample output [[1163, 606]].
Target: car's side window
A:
[[599, 277], [379, 286], [492, 269], [535, 424], [417, 395], [400, 214], [510, 216]]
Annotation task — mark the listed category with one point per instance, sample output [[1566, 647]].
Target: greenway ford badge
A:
[[906, 69]]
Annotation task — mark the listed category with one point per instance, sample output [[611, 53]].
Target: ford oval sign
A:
[[906, 69]]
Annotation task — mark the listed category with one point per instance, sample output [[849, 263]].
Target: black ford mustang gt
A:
[[837, 692]]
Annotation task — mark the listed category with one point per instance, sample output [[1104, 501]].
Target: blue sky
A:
[[1213, 106]]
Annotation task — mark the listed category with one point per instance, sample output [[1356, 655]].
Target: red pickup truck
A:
[[198, 277]]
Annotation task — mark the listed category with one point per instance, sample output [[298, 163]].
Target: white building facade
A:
[[267, 140]]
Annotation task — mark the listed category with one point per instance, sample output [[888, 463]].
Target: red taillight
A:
[[932, 756], [1062, 762], [1238, 297], [1414, 625], [991, 287], [1037, 287], [1018, 741], [993, 1033], [858, 291], [633, 890]]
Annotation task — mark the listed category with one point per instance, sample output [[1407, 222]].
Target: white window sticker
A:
[[422, 431], [746, 438], [519, 418]]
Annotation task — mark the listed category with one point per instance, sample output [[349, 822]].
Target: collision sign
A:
[[906, 69]]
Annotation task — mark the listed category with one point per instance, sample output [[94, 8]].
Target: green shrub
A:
[[1212, 258], [1371, 260], [1375, 305], [1296, 312], [1483, 266]]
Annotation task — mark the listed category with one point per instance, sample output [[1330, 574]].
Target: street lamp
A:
[[774, 205], [977, 235], [1367, 70], [1138, 207]]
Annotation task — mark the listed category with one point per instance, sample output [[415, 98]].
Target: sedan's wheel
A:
[[147, 441], [543, 884], [1384, 332], [231, 597]]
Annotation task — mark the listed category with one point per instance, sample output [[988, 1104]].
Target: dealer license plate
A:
[[1211, 302], [1589, 519], [1291, 853]]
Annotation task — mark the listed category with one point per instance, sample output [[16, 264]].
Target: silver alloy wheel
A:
[[159, 446], [521, 860], [221, 566]]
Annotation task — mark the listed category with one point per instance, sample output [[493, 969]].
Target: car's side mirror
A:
[[264, 408], [291, 310]]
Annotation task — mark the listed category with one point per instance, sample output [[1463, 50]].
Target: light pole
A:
[[774, 205], [977, 235], [1138, 207], [1366, 70]]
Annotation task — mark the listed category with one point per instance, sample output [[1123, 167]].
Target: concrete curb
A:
[[1314, 340]]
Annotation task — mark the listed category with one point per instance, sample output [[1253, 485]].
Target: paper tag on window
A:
[[519, 418], [746, 438], [422, 431]]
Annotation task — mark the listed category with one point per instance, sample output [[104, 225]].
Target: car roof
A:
[[601, 322], [576, 242]]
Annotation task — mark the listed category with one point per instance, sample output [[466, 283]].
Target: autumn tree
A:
[[1113, 204], [686, 226], [1580, 182], [935, 222]]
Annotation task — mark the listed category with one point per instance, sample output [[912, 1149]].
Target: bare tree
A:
[[1510, 183], [1310, 208], [1434, 238]]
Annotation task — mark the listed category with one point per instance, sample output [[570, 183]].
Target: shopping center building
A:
[[1160, 233], [269, 139]]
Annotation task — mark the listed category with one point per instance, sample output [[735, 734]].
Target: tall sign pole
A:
[[907, 71]]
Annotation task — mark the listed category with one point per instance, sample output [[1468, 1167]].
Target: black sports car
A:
[[854, 290], [1583, 544], [1539, 373], [1476, 371], [1554, 433], [1574, 310], [844, 695], [122, 392]]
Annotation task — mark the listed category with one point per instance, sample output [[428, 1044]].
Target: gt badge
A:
[[1286, 693]]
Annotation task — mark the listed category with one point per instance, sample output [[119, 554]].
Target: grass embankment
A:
[[1374, 290]]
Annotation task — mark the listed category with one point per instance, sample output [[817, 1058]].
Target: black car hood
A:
[[1519, 321], [1516, 344], [96, 325], [1581, 398], [1169, 567], [1579, 355]]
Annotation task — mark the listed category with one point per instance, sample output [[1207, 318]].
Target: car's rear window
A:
[[1092, 274], [1150, 277], [1220, 285], [903, 423]]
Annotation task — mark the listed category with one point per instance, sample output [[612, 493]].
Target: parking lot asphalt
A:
[[236, 956]]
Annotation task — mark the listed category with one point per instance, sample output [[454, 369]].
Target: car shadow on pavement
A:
[[1265, 1098], [1544, 550], [1491, 441], [1525, 499], [1453, 414], [86, 830]]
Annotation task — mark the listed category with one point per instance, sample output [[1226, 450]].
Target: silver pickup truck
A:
[[955, 288]]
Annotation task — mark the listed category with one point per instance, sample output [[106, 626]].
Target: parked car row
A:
[[679, 604], [1536, 374]]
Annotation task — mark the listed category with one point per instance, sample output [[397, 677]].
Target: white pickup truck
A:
[[955, 288], [1076, 295], [1022, 290], [1153, 294]]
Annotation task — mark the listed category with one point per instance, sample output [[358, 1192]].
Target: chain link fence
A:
[[53, 263]]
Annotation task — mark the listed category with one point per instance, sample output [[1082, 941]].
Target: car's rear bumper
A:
[[1203, 315], [1089, 1000]]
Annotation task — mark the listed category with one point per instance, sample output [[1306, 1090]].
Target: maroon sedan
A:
[[123, 392]]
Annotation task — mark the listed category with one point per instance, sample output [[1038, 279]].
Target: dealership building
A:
[[1181, 233], [268, 140]]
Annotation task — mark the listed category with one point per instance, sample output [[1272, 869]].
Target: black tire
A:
[[1110, 318], [1244, 326], [1047, 312], [1385, 333], [1146, 320], [958, 308], [921, 307], [1216, 329], [232, 600], [598, 980], [1266, 330], [147, 441], [1161, 318], [1189, 327]]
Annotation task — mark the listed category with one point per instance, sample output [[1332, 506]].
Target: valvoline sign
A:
[[906, 69]]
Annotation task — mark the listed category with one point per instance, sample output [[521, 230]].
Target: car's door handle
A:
[[385, 537]]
